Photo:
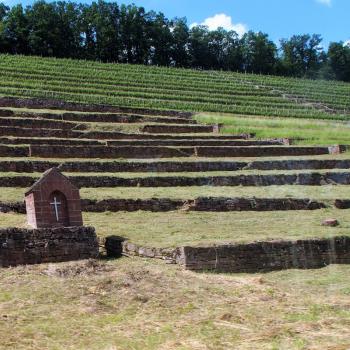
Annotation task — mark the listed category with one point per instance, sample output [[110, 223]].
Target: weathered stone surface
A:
[[14, 151], [200, 204], [21, 246], [40, 103], [137, 152], [342, 203], [104, 118], [40, 124], [140, 152], [266, 256], [186, 143], [167, 254], [108, 135], [180, 129], [6, 113], [258, 151], [29, 166], [114, 246], [307, 179], [330, 222], [48, 141], [252, 204], [15, 207]]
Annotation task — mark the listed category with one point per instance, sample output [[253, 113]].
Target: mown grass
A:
[[344, 155], [126, 175], [147, 305], [178, 228], [304, 131], [328, 192]]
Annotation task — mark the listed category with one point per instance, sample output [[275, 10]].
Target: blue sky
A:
[[278, 18]]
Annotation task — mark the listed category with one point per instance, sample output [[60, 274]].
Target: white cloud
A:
[[347, 43], [224, 21], [325, 2]]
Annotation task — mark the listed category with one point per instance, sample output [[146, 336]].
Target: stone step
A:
[[30, 166], [98, 117], [148, 152], [108, 135], [48, 141], [209, 204], [41, 124], [182, 143], [88, 181], [179, 129], [118, 143], [54, 104]]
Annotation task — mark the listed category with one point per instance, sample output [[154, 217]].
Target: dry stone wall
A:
[[107, 135], [342, 203], [21, 246], [41, 124], [307, 179], [266, 256], [14, 151], [39, 103], [250, 257], [181, 129], [49, 141], [29, 166], [143, 152], [109, 152], [104, 118], [259, 151], [216, 204], [180, 143]]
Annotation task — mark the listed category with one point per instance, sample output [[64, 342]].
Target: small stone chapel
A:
[[53, 201]]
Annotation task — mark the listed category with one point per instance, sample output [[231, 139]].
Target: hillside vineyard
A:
[[170, 88]]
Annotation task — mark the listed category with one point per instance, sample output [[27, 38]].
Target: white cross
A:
[[56, 204]]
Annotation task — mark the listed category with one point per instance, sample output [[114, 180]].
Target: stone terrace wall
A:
[[307, 179], [106, 135], [141, 152], [266, 256], [13, 151], [199, 204], [269, 151], [29, 166], [155, 142], [21, 246], [105, 118], [50, 141], [27, 132], [40, 103], [108, 152], [41, 124], [181, 129]]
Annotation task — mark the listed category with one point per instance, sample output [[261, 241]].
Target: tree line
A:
[[109, 32]]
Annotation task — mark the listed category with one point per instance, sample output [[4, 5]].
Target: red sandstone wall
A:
[[21, 246]]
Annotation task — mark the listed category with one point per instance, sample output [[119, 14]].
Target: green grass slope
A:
[[170, 88]]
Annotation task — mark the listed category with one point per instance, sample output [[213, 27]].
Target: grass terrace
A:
[[104, 305], [178, 228], [129, 175], [328, 192], [301, 131], [140, 304]]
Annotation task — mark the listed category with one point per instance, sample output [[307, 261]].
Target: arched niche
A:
[[59, 209]]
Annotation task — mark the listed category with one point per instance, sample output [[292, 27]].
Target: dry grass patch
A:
[[141, 304]]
